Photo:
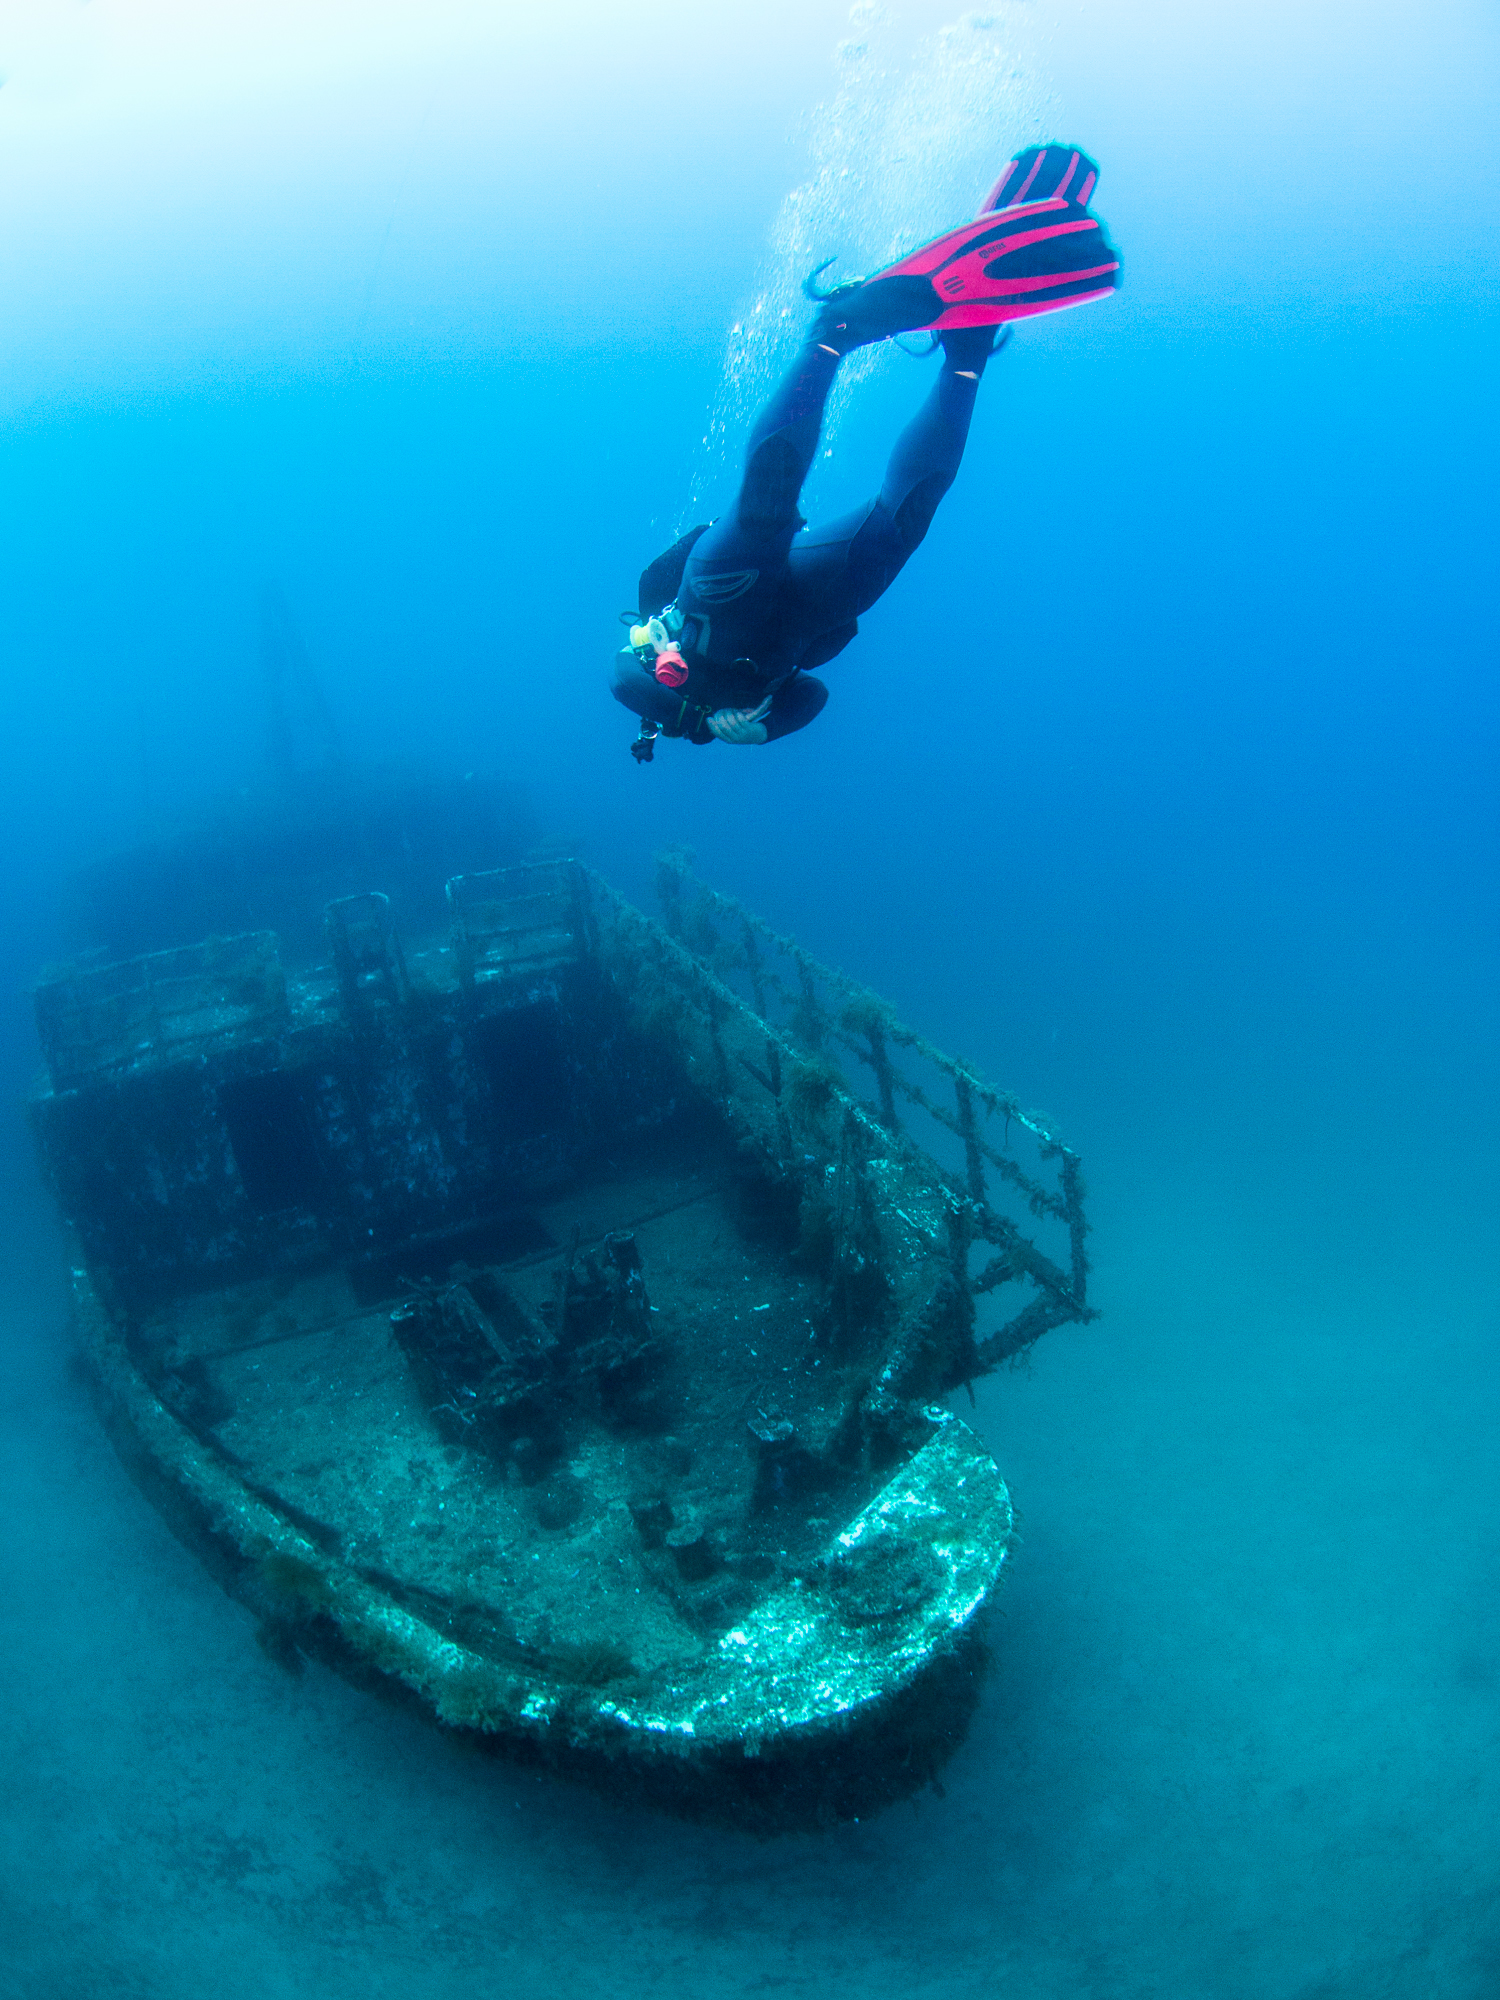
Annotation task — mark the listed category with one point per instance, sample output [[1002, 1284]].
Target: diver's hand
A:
[[740, 725]]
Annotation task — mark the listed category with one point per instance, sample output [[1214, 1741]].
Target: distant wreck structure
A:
[[548, 1315], [311, 827]]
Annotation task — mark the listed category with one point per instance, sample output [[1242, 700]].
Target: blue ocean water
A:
[[1161, 785]]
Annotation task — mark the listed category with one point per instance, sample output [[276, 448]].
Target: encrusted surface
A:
[[906, 1574], [891, 1588], [536, 1327]]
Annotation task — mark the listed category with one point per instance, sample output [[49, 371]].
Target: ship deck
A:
[[606, 1553]]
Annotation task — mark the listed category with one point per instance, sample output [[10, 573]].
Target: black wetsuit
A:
[[764, 602]]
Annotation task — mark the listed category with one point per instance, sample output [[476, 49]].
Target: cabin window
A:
[[521, 1053], [269, 1119]]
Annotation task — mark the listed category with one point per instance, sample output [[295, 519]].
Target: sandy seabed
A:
[[1238, 1738]]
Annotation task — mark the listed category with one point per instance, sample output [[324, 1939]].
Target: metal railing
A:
[[366, 950], [509, 921], [830, 1015], [151, 1009]]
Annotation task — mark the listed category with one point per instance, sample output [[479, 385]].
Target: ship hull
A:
[[539, 1331]]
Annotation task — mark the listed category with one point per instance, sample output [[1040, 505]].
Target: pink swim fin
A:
[[1033, 248]]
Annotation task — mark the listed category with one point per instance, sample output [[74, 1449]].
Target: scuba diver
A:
[[734, 615]]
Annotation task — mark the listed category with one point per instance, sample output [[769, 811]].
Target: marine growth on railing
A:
[[993, 1156]]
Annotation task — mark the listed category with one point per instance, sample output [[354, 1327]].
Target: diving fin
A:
[[1033, 248]]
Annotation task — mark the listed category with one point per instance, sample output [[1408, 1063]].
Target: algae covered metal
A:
[[550, 1319]]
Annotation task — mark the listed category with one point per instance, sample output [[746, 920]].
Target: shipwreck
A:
[[552, 1317]]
